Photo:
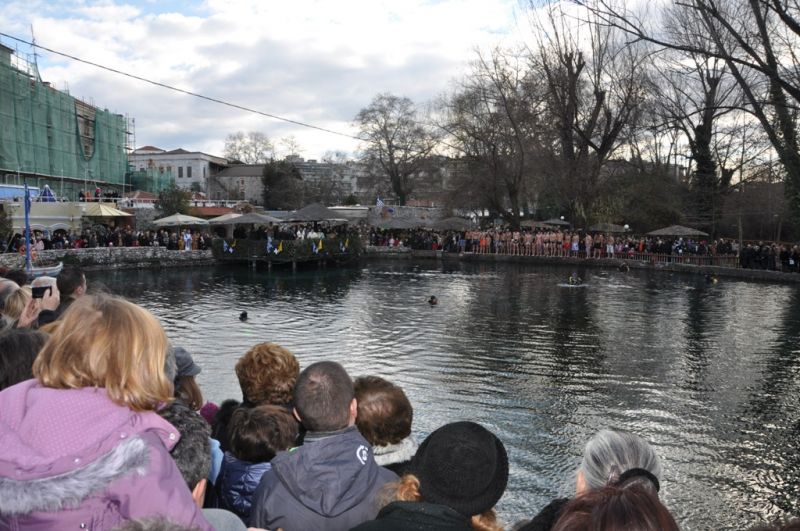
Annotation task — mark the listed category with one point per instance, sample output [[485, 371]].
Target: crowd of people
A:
[[104, 426], [173, 239], [580, 244]]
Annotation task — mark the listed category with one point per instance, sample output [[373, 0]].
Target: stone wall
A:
[[115, 258]]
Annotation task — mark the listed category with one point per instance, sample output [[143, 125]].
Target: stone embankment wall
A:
[[728, 272], [115, 258]]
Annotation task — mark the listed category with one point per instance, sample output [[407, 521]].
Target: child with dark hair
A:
[[384, 419], [256, 435]]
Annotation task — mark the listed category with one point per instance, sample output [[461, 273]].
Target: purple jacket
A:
[[73, 459]]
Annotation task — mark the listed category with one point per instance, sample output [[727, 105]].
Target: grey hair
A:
[[611, 453]]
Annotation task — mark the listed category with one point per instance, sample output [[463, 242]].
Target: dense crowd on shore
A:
[[771, 256], [103, 426]]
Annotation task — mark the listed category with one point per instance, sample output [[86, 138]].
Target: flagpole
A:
[[27, 228]]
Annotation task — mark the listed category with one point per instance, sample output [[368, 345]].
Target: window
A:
[[180, 171], [188, 172]]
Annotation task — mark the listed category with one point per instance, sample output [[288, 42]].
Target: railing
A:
[[308, 250], [650, 258]]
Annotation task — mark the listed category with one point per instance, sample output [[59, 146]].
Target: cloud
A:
[[310, 61]]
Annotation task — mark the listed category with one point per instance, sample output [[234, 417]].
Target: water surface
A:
[[709, 373]]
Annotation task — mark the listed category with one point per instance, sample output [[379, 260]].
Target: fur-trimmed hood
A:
[[390, 454], [67, 491], [47, 432], [73, 459]]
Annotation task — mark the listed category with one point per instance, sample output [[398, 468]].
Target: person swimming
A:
[[623, 268], [433, 301], [574, 280], [243, 316], [711, 278]]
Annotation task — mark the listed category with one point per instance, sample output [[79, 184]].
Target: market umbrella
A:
[[677, 230], [103, 210], [179, 220], [556, 222], [453, 223], [256, 219], [607, 227], [313, 212], [224, 219]]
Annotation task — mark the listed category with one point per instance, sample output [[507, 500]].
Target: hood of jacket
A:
[[401, 452], [46, 432], [329, 475], [238, 482]]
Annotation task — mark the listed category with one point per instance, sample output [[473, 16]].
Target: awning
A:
[[103, 210]]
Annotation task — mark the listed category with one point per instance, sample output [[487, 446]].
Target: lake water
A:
[[709, 373]]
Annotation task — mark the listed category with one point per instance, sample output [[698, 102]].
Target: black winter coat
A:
[[417, 516]]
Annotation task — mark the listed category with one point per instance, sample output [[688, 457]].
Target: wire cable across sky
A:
[[182, 91]]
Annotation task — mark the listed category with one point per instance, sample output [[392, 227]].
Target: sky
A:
[[316, 62]]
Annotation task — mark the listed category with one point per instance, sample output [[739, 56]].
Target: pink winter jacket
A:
[[73, 459]]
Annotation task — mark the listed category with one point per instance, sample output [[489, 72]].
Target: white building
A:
[[188, 167]]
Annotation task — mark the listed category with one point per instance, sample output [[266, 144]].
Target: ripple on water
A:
[[709, 374]]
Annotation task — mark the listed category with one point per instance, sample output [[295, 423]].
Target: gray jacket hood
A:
[[331, 474]]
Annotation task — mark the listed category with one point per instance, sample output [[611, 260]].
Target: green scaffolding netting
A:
[[48, 133]]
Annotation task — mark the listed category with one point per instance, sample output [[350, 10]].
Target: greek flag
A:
[[379, 203], [313, 247], [269, 244]]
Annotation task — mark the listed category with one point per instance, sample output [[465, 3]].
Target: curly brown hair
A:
[[267, 374]]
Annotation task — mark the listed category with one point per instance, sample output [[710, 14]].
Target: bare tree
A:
[[395, 142], [493, 123], [757, 40], [249, 148], [290, 146], [595, 88]]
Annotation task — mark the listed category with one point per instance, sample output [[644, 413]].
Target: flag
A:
[[341, 247], [269, 244], [347, 243], [225, 246], [379, 203], [280, 248], [313, 247], [319, 245]]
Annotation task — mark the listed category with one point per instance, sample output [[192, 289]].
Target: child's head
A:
[[384, 412], [258, 434]]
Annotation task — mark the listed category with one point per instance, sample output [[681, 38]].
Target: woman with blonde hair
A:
[[16, 303], [453, 483], [83, 446]]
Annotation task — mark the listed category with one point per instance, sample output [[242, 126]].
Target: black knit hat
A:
[[463, 466]]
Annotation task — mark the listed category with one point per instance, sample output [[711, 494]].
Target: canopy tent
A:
[[103, 210], [677, 230], [179, 220], [224, 219], [556, 222], [255, 218], [607, 227], [454, 223], [396, 223], [313, 212]]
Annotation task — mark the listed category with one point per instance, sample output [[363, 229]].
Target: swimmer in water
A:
[[433, 301], [574, 280], [243, 316], [711, 278], [624, 268]]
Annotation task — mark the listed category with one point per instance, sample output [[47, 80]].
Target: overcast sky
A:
[[318, 62]]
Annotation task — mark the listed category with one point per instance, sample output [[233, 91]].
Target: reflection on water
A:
[[709, 373]]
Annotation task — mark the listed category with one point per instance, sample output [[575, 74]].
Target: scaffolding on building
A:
[[51, 137]]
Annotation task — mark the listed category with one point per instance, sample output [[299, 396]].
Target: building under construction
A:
[[49, 137]]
